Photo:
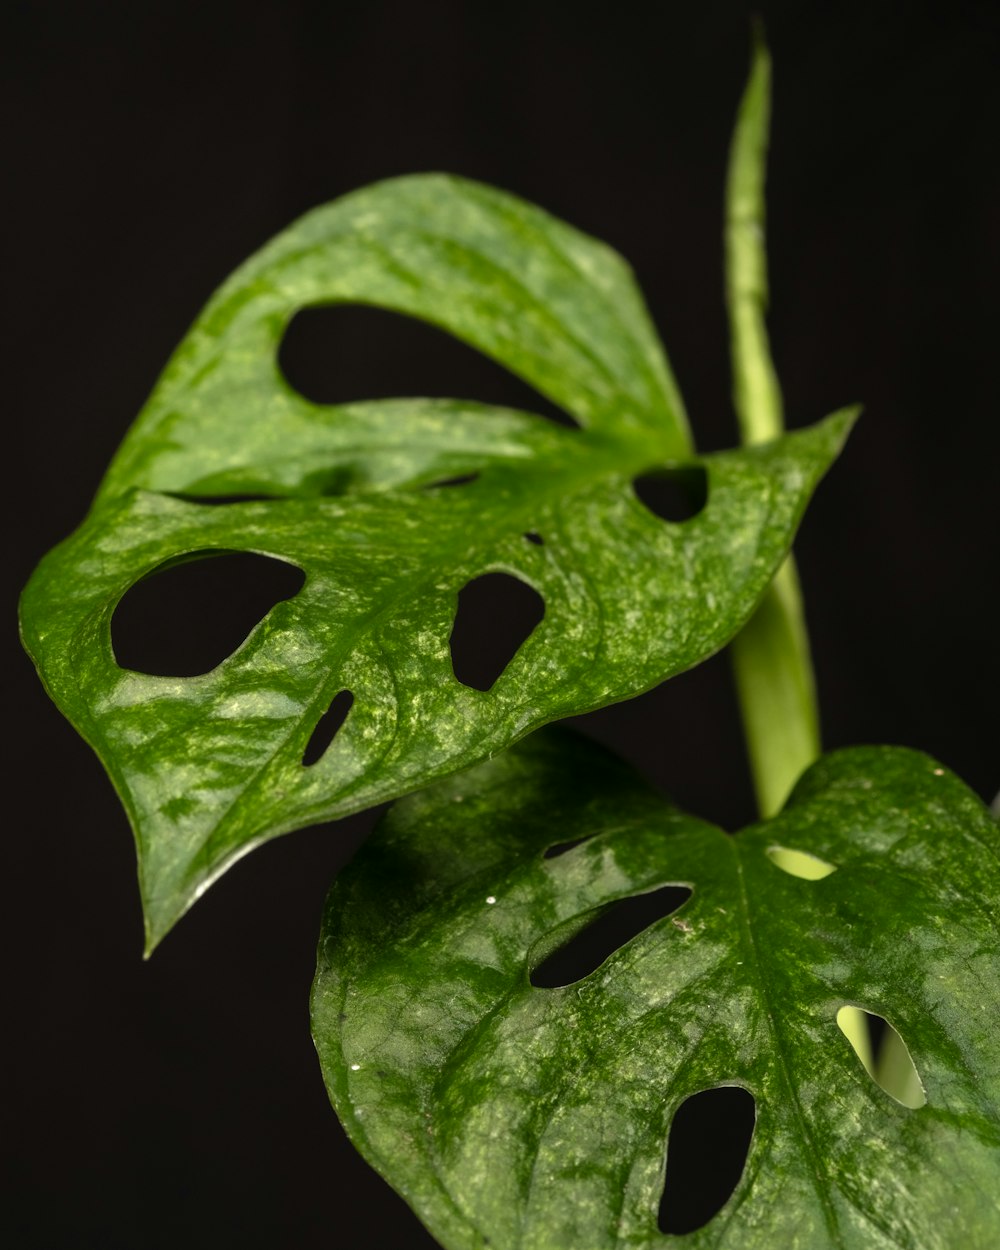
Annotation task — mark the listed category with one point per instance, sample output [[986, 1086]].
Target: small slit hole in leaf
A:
[[496, 614], [461, 479], [220, 501], [884, 1055], [330, 483], [343, 353], [799, 863], [189, 615], [327, 727], [707, 1150], [611, 928], [537, 539], [677, 494], [560, 848]]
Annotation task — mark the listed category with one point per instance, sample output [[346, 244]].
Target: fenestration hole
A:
[[185, 618], [343, 353], [887, 1061], [460, 479], [560, 848], [612, 927], [327, 727], [707, 1152], [799, 863], [496, 614], [220, 501], [673, 494]]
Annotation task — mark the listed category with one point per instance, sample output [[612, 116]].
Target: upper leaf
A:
[[209, 766], [558, 308], [518, 1117]]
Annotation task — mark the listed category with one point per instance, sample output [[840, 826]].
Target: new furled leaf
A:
[[211, 765], [526, 1118]]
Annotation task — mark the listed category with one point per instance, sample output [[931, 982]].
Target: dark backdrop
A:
[[152, 147]]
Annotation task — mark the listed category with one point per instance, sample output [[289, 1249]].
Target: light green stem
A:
[[771, 661], [774, 677], [774, 683]]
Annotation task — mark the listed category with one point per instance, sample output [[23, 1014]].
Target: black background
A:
[[152, 147]]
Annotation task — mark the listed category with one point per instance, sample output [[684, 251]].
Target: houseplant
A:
[[168, 893]]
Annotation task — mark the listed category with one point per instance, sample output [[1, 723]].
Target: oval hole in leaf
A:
[[327, 727], [537, 539], [496, 614], [612, 927], [186, 617], [673, 494], [707, 1151], [343, 353], [888, 1061], [799, 863]]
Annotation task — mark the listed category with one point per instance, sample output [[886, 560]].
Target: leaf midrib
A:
[[777, 1039]]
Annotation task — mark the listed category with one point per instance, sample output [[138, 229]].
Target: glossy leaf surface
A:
[[557, 308], [511, 1116], [209, 766]]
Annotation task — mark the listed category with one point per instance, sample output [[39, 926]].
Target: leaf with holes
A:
[[515, 1115], [211, 764]]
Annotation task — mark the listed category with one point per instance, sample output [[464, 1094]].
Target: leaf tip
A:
[[153, 935], [759, 77], [841, 422], [159, 915], [759, 51]]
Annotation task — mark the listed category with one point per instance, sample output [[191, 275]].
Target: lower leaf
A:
[[519, 1114]]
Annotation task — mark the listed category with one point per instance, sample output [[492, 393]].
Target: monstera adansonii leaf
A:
[[515, 1116], [211, 765]]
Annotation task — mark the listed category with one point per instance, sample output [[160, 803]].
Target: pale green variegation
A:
[[520, 1118], [210, 766]]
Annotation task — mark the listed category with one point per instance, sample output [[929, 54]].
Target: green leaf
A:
[[209, 766], [559, 309], [512, 1116]]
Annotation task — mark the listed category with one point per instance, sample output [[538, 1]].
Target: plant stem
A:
[[771, 660], [774, 683]]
